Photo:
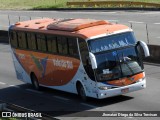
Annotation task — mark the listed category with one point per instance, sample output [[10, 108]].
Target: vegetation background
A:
[[38, 4]]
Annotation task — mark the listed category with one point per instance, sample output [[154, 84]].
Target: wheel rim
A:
[[82, 93], [35, 83]]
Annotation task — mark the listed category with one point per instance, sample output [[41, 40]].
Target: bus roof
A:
[[85, 28]]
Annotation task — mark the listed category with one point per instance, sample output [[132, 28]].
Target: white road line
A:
[[2, 83], [150, 13], [92, 106], [35, 91], [136, 22], [85, 12], [14, 86], [62, 98], [112, 20], [158, 37], [157, 23]]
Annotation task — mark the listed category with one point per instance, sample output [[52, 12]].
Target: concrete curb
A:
[[154, 54], [154, 49], [95, 9]]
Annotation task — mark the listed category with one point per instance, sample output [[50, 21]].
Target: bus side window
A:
[[62, 45], [13, 38], [41, 42], [85, 59], [73, 49], [22, 40], [52, 44], [31, 41]]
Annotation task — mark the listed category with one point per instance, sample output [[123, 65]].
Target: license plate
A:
[[125, 90]]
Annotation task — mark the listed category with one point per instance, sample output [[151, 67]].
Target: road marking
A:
[[112, 20], [35, 91], [2, 83], [136, 22], [14, 86], [86, 12], [151, 13], [62, 98], [92, 106], [157, 23]]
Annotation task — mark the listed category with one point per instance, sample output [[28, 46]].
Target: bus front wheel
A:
[[35, 82], [81, 92]]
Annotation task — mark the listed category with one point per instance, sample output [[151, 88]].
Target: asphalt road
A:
[[49, 101], [142, 22]]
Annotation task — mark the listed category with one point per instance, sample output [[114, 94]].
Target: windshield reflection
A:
[[117, 64]]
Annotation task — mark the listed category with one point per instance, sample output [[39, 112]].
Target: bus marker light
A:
[[103, 88]]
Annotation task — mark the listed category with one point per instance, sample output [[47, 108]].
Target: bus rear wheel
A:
[[81, 92], [35, 82]]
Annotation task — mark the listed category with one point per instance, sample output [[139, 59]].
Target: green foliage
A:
[[31, 4], [49, 4]]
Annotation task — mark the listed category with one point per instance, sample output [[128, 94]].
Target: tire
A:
[[35, 82], [81, 92]]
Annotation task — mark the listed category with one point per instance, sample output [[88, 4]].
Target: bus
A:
[[88, 57]]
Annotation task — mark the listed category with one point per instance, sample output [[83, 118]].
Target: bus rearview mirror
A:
[[93, 60], [145, 48]]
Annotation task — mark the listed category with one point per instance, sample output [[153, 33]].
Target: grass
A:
[[31, 4], [46, 4]]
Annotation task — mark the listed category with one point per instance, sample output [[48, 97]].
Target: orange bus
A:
[[91, 58]]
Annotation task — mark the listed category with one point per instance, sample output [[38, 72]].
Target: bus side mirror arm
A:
[[145, 48], [93, 60]]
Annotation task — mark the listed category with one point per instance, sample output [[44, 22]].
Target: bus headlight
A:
[[103, 88], [140, 80]]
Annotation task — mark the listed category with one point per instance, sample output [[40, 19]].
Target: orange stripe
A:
[[55, 74], [126, 81]]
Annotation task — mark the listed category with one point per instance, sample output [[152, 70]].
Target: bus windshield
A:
[[117, 64], [116, 56]]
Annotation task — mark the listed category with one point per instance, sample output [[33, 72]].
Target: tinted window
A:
[[52, 44], [13, 37], [116, 64], [41, 42], [73, 50], [85, 59], [22, 40], [31, 41], [108, 66], [62, 45]]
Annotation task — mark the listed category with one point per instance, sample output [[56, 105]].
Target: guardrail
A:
[[120, 4]]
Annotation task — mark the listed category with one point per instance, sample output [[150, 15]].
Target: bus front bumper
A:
[[122, 90]]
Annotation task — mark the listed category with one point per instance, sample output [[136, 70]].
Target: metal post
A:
[[131, 25], [9, 22], [147, 33], [19, 18]]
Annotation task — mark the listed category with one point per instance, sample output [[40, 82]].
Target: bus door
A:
[[88, 78]]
